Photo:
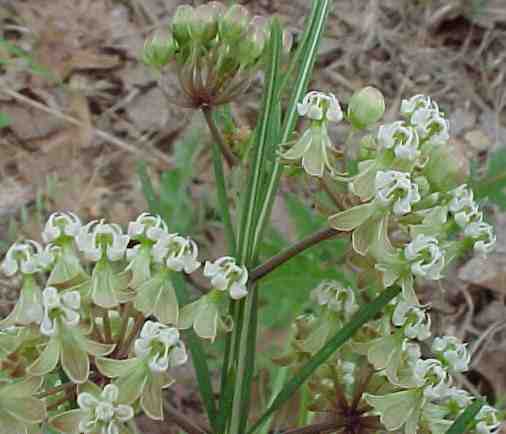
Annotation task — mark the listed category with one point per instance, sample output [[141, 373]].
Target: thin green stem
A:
[[230, 158], [107, 327], [220, 180], [462, 423]]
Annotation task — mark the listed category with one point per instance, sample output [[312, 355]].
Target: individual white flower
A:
[[226, 275], [320, 106], [102, 414], [413, 319], [161, 345], [483, 235], [425, 116], [61, 224], [148, 225], [336, 297], [26, 257], [453, 352], [463, 207], [425, 257], [488, 420], [314, 148], [396, 187], [401, 138], [97, 239], [431, 126], [416, 102], [178, 253], [59, 307], [432, 376]]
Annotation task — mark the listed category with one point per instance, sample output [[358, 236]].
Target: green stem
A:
[[220, 143], [220, 180]]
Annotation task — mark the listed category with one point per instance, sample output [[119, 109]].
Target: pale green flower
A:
[[67, 342], [314, 146], [414, 320], [157, 350], [61, 226], [226, 275], [396, 189], [452, 352], [335, 297], [482, 235], [99, 412], [98, 240], [402, 139]]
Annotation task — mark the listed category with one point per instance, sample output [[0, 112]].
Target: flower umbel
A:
[[226, 275]]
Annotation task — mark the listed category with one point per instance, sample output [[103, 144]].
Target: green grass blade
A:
[[365, 314], [147, 188], [308, 57], [245, 324], [199, 358], [462, 423]]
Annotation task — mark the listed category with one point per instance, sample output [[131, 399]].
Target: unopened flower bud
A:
[[205, 23], [366, 107], [159, 49], [252, 46], [182, 23], [234, 23]]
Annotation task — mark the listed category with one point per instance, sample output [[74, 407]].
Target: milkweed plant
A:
[[103, 318]]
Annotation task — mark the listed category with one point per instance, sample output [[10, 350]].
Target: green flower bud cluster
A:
[[215, 51]]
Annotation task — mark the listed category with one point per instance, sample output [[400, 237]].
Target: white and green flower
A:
[[61, 225], [98, 240], [226, 275], [452, 353], [396, 189], [402, 139], [425, 257], [59, 309], [335, 297], [414, 320], [482, 236], [26, 257], [314, 147], [100, 412]]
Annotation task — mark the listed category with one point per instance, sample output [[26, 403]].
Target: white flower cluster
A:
[[320, 106], [394, 187]]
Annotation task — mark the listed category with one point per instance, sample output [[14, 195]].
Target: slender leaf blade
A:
[[462, 423]]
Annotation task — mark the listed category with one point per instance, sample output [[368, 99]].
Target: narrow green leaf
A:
[[198, 357], [462, 423], [493, 185], [147, 188], [365, 314], [311, 42]]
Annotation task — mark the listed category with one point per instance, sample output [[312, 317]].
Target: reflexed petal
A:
[[74, 359], [97, 348], [206, 321], [151, 399], [116, 368], [395, 408], [87, 401], [67, 422], [21, 389], [351, 218], [131, 385], [10, 425], [47, 360], [299, 148], [313, 159], [26, 409]]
